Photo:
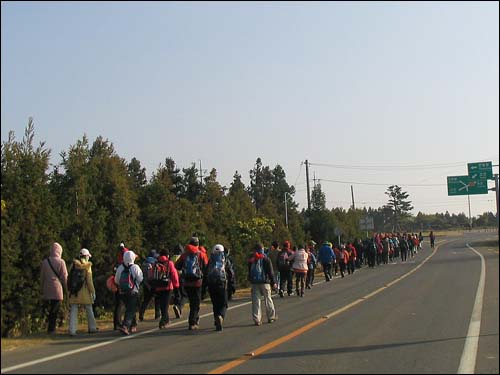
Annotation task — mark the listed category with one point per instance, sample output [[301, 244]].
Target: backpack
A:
[[76, 278], [216, 273], [147, 268], [283, 264], [127, 282], [159, 275], [191, 270], [257, 271]]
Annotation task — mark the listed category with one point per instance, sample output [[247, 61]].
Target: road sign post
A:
[[366, 223]]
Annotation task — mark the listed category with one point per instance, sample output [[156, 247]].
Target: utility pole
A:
[[286, 211], [352, 194], [308, 191], [201, 174]]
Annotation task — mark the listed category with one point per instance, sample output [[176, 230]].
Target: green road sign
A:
[[463, 185], [480, 171]]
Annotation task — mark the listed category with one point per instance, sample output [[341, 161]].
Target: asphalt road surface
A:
[[437, 313]]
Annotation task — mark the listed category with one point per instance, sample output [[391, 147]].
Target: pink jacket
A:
[[51, 285]]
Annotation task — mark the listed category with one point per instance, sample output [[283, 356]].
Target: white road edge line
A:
[[469, 354], [84, 349]]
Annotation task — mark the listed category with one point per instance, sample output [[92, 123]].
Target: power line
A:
[[392, 167], [389, 167], [376, 184], [300, 170]]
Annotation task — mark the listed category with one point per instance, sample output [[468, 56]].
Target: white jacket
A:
[[299, 260], [135, 270]]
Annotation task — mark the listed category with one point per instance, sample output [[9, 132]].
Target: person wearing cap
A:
[[85, 296], [218, 274], [130, 299], [53, 279]]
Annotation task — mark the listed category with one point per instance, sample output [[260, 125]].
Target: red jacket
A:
[[202, 257], [174, 278]]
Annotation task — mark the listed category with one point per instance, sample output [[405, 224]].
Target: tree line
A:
[[95, 199]]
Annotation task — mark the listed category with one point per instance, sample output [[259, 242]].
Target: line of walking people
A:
[[190, 272]]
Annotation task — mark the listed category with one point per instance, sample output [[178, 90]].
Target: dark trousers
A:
[[131, 301], [286, 278], [163, 297], [327, 270], [179, 296], [117, 312], [343, 267], [404, 255], [371, 259], [148, 295], [194, 296], [310, 277], [350, 266], [218, 295], [53, 307], [300, 281]]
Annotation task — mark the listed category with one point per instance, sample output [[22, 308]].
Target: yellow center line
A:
[[266, 347]]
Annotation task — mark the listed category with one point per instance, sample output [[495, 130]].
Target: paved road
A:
[[399, 318]]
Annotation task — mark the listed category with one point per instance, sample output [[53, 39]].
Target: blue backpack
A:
[[127, 282], [191, 270], [257, 272], [216, 268]]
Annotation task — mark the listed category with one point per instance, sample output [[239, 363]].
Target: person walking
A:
[[218, 274], [311, 264], [261, 276], [326, 257], [178, 294], [164, 279], [53, 279], [117, 309], [285, 270], [85, 296], [148, 292], [129, 277], [300, 268], [273, 256], [192, 263], [403, 248], [231, 275], [432, 238]]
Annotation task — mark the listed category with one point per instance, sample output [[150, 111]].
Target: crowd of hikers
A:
[[189, 272]]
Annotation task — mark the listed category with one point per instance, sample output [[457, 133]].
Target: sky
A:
[[370, 93]]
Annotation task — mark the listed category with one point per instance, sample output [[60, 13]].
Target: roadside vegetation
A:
[[96, 199]]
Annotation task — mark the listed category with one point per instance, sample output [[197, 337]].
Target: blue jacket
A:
[[326, 254]]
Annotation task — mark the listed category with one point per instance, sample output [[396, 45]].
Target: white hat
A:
[[218, 247], [85, 252]]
